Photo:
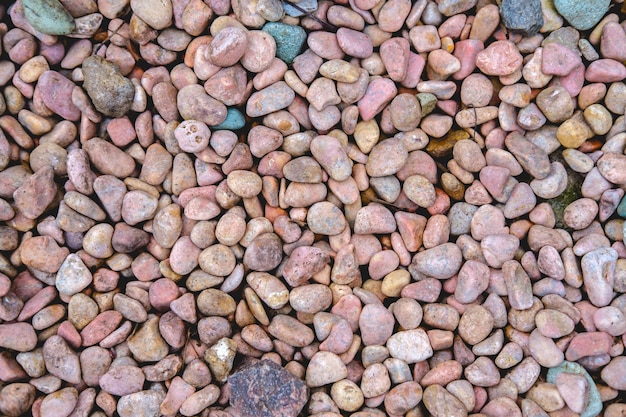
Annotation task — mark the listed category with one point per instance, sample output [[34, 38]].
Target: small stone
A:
[[289, 39], [582, 16], [61, 361], [440, 403], [410, 346], [140, 404], [325, 368], [522, 17], [16, 399], [112, 93], [263, 388], [594, 405], [146, 344]]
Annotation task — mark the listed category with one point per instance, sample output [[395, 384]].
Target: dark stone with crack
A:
[[265, 389], [522, 16]]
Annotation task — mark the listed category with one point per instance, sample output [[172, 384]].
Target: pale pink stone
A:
[[558, 59]]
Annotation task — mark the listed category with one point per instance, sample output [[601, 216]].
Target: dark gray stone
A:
[[265, 389], [522, 16]]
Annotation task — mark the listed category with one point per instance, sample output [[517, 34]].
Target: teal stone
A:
[[234, 120], [594, 407], [621, 209], [49, 17], [289, 40], [583, 15]]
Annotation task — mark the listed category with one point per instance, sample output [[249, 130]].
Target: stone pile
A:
[[232, 208]]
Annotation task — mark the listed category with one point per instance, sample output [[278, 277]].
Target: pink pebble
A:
[[558, 59], [605, 71]]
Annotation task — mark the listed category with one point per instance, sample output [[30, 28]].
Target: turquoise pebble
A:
[[289, 39], [583, 15], [621, 209], [234, 120], [595, 403], [48, 16]]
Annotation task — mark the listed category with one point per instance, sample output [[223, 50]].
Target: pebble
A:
[[112, 93], [582, 16], [525, 18], [289, 39], [340, 231], [499, 58]]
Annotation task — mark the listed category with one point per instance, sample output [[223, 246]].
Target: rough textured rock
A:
[[265, 389]]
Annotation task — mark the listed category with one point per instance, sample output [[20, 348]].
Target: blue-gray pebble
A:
[[234, 120], [594, 407], [306, 5], [522, 16], [621, 209], [48, 16], [289, 40], [582, 14]]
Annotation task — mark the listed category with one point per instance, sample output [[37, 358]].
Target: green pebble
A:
[[428, 102], [49, 17], [621, 209], [594, 407], [234, 120], [289, 40]]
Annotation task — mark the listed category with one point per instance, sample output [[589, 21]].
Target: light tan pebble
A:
[[476, 90], [325, 368], [230, 229], [482, 372], [439, 402], [556, 104], [473, 117], [553, 185], [394, 281], [424, 38], [375, 380], [291, 331], [245, 184], [468, 155], [405, 112], [340, 70], [213, 302], [411, 346], [574, 132], [437, 125], [408, 313], [517, 95], [322, 93], [532, 73], [217, 260], [347, 395], [598, 118], [310, 298], [73, 276], [578, 161], [546, 396], [419, 190]]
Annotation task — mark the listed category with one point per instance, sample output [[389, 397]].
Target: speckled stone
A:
[[265, 389], [582, 15], [289, 39]]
